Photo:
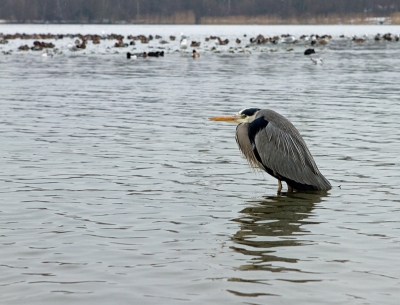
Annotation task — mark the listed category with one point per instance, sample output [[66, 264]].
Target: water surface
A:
[[116, 188]]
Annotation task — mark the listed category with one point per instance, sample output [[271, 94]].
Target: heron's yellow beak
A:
[[225, 118]]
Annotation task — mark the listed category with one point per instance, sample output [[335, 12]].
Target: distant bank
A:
[[190, 17]]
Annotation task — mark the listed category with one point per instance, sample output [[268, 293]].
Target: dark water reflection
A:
[[275, 221]]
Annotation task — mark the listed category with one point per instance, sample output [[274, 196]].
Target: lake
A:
[[115, 186]]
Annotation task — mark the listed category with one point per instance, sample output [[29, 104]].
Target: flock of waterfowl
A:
[[156, 46]]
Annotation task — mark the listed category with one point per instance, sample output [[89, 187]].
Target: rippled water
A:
[[116, 188]]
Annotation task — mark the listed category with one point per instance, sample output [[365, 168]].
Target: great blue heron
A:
[[270, 142]]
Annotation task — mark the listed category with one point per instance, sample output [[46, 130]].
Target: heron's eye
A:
[[243, 116]]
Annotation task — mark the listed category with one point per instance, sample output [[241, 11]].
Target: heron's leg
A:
[[289, 188], [279, 186]]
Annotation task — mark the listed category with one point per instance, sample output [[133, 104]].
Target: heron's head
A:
[[246, 115]]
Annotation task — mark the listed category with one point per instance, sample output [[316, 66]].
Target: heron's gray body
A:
[[273, 144]]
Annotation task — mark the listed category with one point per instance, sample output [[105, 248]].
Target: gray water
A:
[[115, 187]]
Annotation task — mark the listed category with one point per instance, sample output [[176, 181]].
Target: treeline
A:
[[188, 11]]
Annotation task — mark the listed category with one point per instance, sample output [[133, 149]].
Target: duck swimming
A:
[[130, 55], [309, 51], [195, 54]]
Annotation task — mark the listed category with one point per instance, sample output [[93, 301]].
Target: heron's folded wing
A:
[[287, 155]]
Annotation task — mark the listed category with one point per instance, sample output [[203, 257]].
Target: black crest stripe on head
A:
[[249, 111]]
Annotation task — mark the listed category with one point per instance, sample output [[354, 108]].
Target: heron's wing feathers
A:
[[283, 151]]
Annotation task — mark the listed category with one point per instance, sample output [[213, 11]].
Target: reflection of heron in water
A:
[[271, 223]]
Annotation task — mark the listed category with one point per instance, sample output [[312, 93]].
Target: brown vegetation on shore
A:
[[395, 17], [190, 18], [271, 19]]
